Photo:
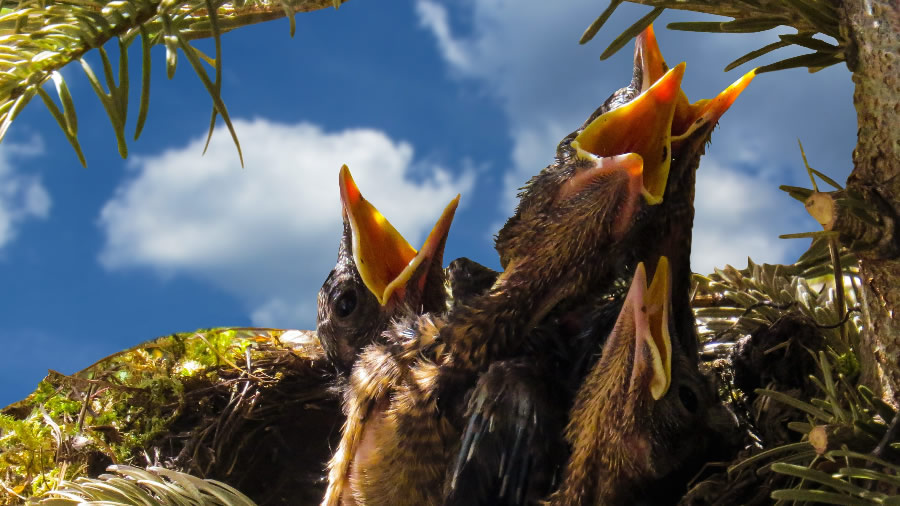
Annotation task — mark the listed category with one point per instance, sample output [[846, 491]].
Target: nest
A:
[[259, 410], [255, 408]]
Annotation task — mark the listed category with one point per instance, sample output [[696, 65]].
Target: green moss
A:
[[135, 397]]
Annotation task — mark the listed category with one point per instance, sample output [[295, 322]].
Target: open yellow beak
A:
[[649, 307], [642, 126], [385, 260], [689, 117]]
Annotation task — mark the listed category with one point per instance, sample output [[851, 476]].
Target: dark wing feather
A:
[[511, 447]]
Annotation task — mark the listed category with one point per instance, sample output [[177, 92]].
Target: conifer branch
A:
[[39, 37], [808, 17]]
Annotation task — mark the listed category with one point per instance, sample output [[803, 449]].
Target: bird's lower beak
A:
[[701, 116], [431, 254], [385, 260], [642, 126], [689, 118], [648, 308]]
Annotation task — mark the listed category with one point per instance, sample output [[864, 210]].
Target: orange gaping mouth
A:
[[653, 345], [385, 261], [659, 120], [642, 126], [689, 118]]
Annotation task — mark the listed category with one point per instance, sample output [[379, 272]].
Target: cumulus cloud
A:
[[739, 215], [434, 17], [267, 233], [527, 56], [22, 196]]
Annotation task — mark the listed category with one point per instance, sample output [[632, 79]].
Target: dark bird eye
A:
[[345, 304], [688, 398]]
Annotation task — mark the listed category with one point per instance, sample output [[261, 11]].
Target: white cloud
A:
[[267, 233], [22, 196], [739, 215], [526, 55], [434, 17]]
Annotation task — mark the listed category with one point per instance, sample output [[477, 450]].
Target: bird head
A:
[[667, 228], [377, 274], [638, 415], [602, 172]]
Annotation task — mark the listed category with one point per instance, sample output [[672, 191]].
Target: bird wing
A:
[[511, 447]]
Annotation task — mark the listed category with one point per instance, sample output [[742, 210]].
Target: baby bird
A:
[[377, 274], [568, 236], [639, 415], [669, 225], [582, 224], [403, 404], [506, 410]]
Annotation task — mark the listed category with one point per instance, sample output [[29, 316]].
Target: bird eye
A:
[[688, 398], [345, 304]]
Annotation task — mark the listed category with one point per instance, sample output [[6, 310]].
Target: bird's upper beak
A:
[[657, 121], [644, 319], [689, 118], [385, 260], [642, 126]]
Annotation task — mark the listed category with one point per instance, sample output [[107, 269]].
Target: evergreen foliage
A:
[[808, 17], [40, 37]]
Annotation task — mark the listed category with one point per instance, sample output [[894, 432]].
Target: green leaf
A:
[[811, 60], [631, 32], [289, 12], [109, 103], [144, 107], [755, 54], [750, 25], [697, 26], [817, 496], [827, 179], [797, 192], [123, 88], [16, 108], [171, 42], [796, 403], [820, 16], [778, 450], [210, 87], [808, 168], [599, 22], [806, 40], [868, 474], [719, 312], [817, 477], [65, 98], [63, 124], [866, 457], [213, 19]]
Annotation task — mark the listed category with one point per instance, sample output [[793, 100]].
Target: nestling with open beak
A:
[[581, 206], [665, 229], [574, 233], [640, 413], [378, 274]]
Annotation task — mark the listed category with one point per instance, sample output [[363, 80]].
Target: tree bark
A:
[[874, 58]]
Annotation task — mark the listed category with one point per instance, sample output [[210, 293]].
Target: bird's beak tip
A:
[[379, 250], [649, 307]]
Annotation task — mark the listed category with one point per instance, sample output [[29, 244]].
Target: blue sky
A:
[[422, 99]]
